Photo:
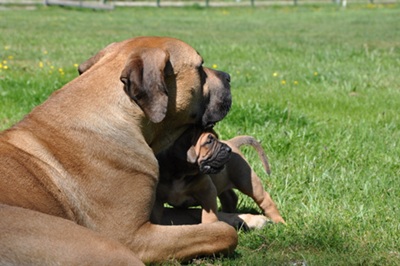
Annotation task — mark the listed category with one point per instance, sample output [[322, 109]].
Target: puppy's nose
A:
[[228, 149]]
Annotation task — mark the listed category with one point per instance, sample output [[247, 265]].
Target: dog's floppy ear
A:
[[143, 78], [191, 155]]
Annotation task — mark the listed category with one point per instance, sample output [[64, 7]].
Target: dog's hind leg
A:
[[247, 181], [33, 238]]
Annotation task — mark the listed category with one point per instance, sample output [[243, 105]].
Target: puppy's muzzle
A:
[[217, 162]]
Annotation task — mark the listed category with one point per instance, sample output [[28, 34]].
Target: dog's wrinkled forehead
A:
[[184, 57], [180, 53]]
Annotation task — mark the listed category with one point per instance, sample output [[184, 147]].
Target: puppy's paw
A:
[[254, 221]]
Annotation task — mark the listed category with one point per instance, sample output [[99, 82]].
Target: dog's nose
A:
[[224, 76], [227, 77]]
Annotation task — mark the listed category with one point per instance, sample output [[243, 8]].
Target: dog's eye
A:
[[210, 139]]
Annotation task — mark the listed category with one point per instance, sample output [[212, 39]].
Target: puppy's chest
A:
[[182, 184], [178, 192]]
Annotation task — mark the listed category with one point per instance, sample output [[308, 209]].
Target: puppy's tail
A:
[[239, 141]]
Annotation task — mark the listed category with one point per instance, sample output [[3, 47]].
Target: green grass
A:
[[318, 85]]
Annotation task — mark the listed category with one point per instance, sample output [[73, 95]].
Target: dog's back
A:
[[239, 141]]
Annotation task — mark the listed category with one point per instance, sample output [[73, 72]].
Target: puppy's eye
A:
[[210, 139]]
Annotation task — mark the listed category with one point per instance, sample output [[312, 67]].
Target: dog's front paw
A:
[[254, 221]]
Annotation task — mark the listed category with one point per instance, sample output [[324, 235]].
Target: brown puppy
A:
[[78, 175], [180, 168], [180, 187]]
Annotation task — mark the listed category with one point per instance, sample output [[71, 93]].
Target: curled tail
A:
[[249, 140]]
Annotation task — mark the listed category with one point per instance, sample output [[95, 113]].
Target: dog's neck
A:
[[160, 137]]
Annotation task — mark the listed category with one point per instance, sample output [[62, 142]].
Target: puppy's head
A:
[[165, 77], [209, 153]]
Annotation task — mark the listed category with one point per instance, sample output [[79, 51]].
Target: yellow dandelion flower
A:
[[45, 52], [214, 66], [76, 65], [283, 82], [275, 74], [315, 73], [51, 67], [6, 47], [4, 62], [41, 64], [60, 70], [1, 65], [295, 82], [5, 67], [10, 57]]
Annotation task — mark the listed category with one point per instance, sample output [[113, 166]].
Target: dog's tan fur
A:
[[187, 187], [78, 174]]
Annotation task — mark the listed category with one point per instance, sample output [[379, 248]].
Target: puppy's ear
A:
[[191, 155], [144, 82], [212, 131], [94, 59]]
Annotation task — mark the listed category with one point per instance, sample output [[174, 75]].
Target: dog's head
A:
[[166, 78], [209, 153]]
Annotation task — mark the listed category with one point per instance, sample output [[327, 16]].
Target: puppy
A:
[[180, 187], [183, 171]]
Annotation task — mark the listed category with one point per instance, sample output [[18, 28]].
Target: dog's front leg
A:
[[157, 243]]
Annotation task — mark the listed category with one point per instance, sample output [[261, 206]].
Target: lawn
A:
[[319, 86]]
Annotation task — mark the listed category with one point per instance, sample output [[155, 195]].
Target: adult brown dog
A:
[[193, 173], [78, 174]]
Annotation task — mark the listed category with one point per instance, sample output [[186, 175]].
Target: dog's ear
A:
[[94, 59], [144, 82], [191, 155]]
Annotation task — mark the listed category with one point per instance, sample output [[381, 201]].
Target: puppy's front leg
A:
[[206, 194], [157, 212]]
